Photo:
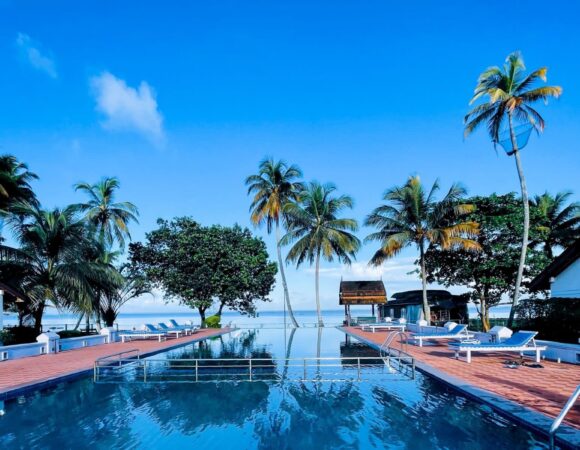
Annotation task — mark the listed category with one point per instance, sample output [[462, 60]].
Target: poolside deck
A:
[[543, 390], [28, 373]]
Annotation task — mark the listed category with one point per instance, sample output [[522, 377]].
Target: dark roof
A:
[[437, 297], [556, 267], [362, 292], [12, 292]]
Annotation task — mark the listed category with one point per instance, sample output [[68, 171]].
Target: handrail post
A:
[[558, 421], [144, 371], [196, 370], [358, 362], [250, 360], [304, 369]]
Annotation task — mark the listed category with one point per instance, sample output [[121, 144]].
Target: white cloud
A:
[[31, 52], [392, 270], [127, 108]]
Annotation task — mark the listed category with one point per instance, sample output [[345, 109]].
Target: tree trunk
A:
[[526, 207], [283, 275], [88, 323], [484, 312], [37, 316], [317, 286], [219, 312], [426, 309], [79, 322], [201, 314]]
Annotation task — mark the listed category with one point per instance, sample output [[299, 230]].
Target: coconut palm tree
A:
[[275, 184], [15, 181], [109, 218], [411, 216], [316, 230], [54, 257], [509, 94], [559, 222]]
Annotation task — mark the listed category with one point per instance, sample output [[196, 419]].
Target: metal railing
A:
[[117, 369], [558, 421]]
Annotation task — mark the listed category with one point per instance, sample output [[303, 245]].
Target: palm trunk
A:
[[317, 285], [426, 309], [526, 207], [88, 323], [79, 322], [484, 312], [283, 275]]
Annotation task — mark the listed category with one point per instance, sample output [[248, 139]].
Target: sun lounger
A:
[[128, 335], [172, 324], [457, 332], [388, 325], [521, 341], [151, 328]]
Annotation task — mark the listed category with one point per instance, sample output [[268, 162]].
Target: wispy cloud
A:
[[31, 52], [128, 108], [393, 270]]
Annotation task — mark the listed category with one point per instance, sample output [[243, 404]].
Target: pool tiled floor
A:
[[27, 372], [545, 390]]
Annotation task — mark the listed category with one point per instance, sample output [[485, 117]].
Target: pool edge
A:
[[538, 422]]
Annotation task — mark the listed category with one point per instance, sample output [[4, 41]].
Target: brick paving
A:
[[26, 372], [545, 390]]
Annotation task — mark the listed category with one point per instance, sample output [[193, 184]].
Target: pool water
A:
[[413, 414]]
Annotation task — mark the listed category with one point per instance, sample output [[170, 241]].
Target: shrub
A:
[[17, 335], [212, 322], [554, 319]]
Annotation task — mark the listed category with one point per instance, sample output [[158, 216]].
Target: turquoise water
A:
[[419, 414]]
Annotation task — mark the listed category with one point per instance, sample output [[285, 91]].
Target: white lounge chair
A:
[[457, 332], [129, 335], [172, 324], [388, 325], [521, 342], [153, 329], [169, 330]]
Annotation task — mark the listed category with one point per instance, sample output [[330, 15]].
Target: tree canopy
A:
[[198, 265]]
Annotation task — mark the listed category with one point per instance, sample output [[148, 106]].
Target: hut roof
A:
[[435, 297], [556, 267], [362, 293]]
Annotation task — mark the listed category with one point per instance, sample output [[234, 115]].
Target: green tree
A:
[[272, 188], [15, 186], [510, 94], [488, 273], [316, 230], [411, 216], [196, 265], [110, 219], [559, 223], [54, 258]]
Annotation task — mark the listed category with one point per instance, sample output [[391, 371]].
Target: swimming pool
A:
[[417, 414]]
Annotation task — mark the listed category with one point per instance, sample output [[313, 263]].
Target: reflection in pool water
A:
[[419, 414]]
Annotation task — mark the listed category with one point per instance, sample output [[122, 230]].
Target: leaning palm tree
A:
[[275, 184], [109, 218], [411, 216], [317, 231], [510, 94], [559, 223]]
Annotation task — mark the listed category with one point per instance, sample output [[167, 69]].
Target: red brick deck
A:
[[24, 372], [545, 390]]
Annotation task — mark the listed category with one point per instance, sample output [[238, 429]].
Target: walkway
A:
[[545, 390], [19, 374]]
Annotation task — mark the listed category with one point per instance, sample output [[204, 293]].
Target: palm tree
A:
[[411, 216], [314, 226], [110, 219], [510, 92], [559, 222], [272, 188], [15, 181], [54, 258]]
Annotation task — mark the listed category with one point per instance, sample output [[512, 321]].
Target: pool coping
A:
[[567, 436], [29, 388]]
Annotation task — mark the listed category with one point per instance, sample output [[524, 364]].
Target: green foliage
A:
[[15, 186], [554, 319], [195, 265], [490, 272], [412, 216], [212, 322], [64, 334], [18, 335]]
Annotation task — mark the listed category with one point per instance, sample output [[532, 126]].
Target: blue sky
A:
[[181, 101]]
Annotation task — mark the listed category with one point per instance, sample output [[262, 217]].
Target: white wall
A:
[[567, 284]]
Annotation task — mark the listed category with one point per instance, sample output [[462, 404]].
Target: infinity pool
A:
[[387, 412]]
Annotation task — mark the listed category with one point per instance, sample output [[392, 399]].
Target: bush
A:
[[212, 322], [72, 333], [555, 319], [17, 335]]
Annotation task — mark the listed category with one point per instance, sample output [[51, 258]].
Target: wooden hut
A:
[[361, 293]]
